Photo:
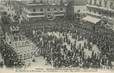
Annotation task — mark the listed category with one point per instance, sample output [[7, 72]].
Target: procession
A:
[[58, 38]]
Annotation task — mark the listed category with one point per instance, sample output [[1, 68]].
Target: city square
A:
[[57, 34]]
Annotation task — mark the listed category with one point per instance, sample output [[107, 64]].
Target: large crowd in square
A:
[[63, 45]]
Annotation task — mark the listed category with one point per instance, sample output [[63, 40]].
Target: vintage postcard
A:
[[56, 36]]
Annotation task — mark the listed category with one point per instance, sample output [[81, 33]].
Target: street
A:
[[38, 63]]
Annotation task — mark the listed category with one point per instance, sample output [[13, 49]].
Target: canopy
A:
[[91, 19]]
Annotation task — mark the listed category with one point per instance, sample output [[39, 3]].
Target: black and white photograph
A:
[[57, 35]]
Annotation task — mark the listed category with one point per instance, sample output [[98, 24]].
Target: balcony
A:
[[35, 3], [94, 14], [102, 8], [33, 14]]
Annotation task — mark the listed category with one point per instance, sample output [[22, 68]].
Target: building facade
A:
[[79, 9], [80, 6], [101, 9], [49, 9]]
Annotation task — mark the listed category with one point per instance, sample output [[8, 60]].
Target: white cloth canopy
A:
[[91, 19]]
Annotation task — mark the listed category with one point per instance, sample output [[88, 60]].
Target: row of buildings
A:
[[50, 9], [37, 9]]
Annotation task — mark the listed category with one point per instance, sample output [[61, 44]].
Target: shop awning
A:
[[91, 19]]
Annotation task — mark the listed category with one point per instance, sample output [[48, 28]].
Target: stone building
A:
[[103, 9], [49, 9]]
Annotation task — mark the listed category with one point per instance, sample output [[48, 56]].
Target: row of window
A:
[[49, 1], [44, 13], [48, 9], [100, 3], [101, 12]]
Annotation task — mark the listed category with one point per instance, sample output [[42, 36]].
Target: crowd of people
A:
[[72, 50], [64, 45], [9, 57]]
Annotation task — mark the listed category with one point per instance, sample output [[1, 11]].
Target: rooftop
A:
[[44, 2]]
